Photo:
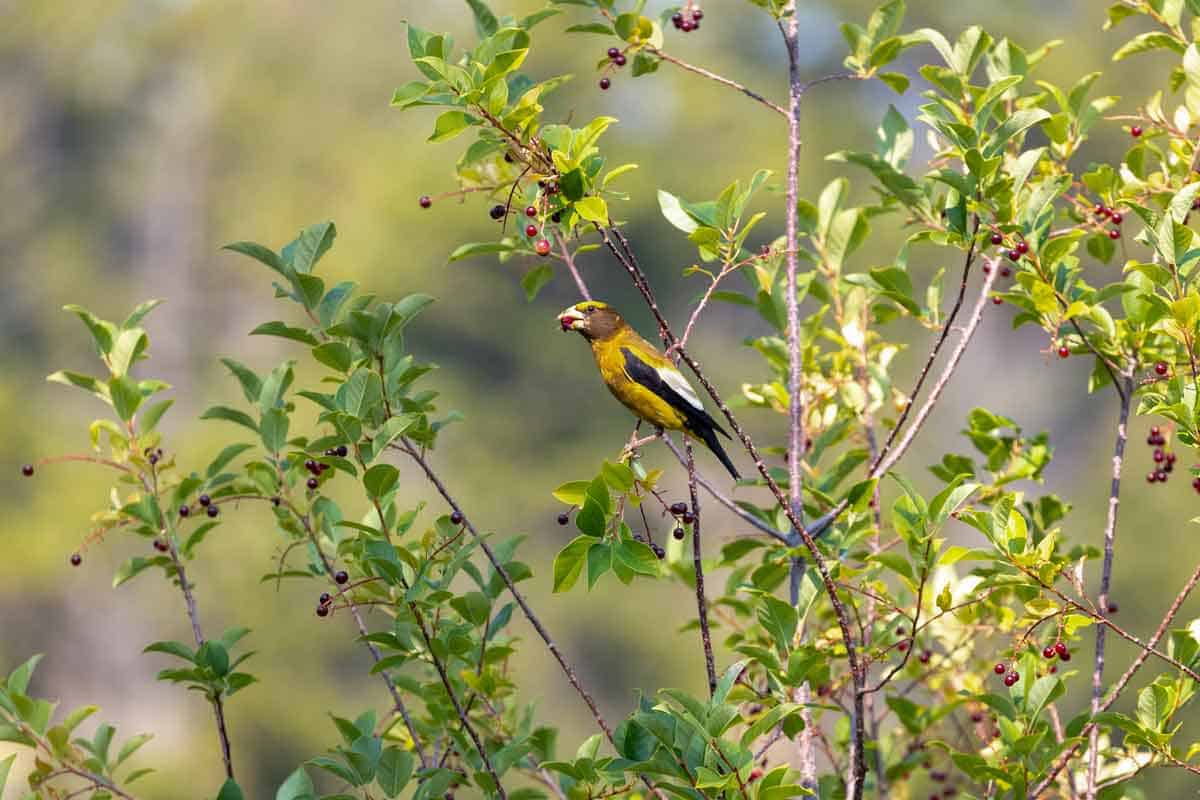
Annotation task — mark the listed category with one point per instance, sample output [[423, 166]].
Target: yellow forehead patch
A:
[[593, 303]]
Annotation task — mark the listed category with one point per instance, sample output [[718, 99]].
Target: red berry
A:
[[1116, 218], [531, 231], [212, 511], [977, 716], [1114, 234], [755, 774], [1014, 255], [903, 646], [1053, 668], [1159, 455], [925, 656], [425, 201], [1155, 431], [1113, 608], [1022, 247], [1161, 368], [1065, 656], [76, 559], [564, 518], [999, 669], [997, 238], [160, 545], [530, 212], [1005, 272], [677, 19], [542, 247], [997, 300], [1011, 679], [1061, 649], [456, 518], [1135, 131], [1160, 476], [27, 470], [1049, 653], [1196, 484], [1063, 352], [605, 83], [697, 14], [340, 577], [1152, 476], [1101, 210]]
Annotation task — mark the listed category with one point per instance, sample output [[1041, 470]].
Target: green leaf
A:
[[126, 397], [593, 209], [451, 124], [1144, 43], [672, 209], [5, 767], [485, 25], [284, 331], [131, 746], [394, 770], [298, 786], [103, 332], [379, 480], [568, 564], [572, 493], [303, 252], [479, 249], [230, 791], [264, 255], [274, 429], [230, 415], [533, 281], [638, 557]]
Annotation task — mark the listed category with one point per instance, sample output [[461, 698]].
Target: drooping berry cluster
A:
[[1104, 213], [316, 468], [1164, 459], [616, 60], [687, 19]]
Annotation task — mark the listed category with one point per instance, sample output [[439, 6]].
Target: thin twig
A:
[[418, 456], [697, 563], [712, 76], [1110, 534], [569, 259]]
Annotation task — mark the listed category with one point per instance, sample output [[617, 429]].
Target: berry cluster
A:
[[1059, 651], [687, 19], [206, 503], [1010, 677], [616, 60], [1164, 460], [683, 517], [316, 468], [325, 601], [1103, 213]]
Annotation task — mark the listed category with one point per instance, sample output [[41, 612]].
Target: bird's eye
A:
[[589, 309]]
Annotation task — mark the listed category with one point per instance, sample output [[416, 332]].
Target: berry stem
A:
[[712, 76]]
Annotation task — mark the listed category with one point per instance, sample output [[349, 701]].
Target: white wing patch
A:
[[674, 378]]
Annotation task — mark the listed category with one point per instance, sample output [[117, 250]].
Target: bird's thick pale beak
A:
[[570, 319]]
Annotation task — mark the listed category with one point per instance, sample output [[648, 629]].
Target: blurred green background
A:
[[136, 137]]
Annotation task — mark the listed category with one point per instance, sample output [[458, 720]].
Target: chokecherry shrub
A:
[[850, 649]]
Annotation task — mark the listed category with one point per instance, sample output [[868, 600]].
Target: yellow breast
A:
[[641, 401]]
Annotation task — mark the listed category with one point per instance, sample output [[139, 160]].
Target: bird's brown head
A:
[[593, 319]]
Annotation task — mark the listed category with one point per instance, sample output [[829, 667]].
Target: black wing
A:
[[646, 375]]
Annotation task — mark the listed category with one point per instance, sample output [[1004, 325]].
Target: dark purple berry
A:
[[564, 518], [160, 545], [678, 534], [1005, 272], [456, 518], [659, 553], [27, 470], [153, 459], [340, 577], [678, 508], [1113, 608], [697, 14], [275, 501], [1159, 455], [322, 611], [605, 83], [687, 518], [310, 465], [425, 201], [312, 483], [324, 598], [204, 500], [76, 559], [1160, 476], [613, 52], [497, 211], [212, 511], [556, 216], [184, 511], [677, 19], [1101, 210], [508, 158], [342, 451], [620, 60]]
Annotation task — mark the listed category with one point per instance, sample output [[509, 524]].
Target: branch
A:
[[1110, 535], [701, 600], [1114, 693], [939, 386], [417, 456], [569, 260], [712, 76], [462, 715]]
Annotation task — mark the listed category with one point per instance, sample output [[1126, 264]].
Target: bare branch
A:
[[698, 565], [712, 76]]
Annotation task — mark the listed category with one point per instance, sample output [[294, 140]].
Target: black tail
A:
[[709, 437]]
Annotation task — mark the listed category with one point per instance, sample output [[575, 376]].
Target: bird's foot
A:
[[635, 444]]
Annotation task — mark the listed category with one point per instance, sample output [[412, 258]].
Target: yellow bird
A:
[[641, 377]]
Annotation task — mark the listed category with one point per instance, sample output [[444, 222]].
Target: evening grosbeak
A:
[[641, 377]]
